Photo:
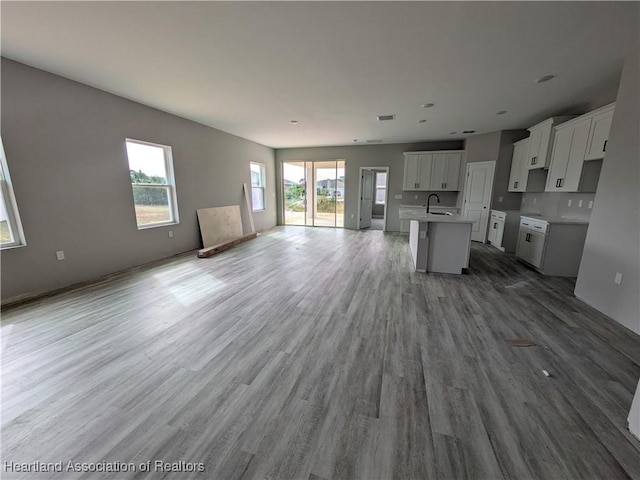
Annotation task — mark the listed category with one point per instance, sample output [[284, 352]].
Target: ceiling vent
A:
[[469, 131], [382, 118], [374, 141]]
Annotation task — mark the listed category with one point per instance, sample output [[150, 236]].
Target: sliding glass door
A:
[[314, 193]]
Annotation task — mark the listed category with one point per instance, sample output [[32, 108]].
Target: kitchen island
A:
[[440, 243]]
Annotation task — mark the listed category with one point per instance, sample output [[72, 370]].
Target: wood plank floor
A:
[[318, 354]]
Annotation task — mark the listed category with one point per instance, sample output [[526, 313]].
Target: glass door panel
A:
[[314, 193], [295, 193]]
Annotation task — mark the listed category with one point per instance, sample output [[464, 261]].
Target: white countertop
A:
[[424, 217], [558, 220]]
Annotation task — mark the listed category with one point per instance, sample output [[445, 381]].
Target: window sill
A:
[[10, 247], [261, 210], [156, 225]]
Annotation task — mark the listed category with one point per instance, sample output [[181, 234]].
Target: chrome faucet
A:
[[429, 199]]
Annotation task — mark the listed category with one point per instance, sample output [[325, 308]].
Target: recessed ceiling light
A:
[[468, 131], [544, 78], [382, 118], [422, 120], [427, 105], [293, 122], [355, 140], [501, 112], [374, 141], [452, 133]]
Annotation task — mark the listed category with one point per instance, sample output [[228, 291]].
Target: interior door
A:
[[477, 198], [366, 198]]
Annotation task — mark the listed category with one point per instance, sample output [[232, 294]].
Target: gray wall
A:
[[65, 148], [613, 239], [556, 204], [357, 156]]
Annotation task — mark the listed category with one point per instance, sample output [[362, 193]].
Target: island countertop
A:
[[430, 217]]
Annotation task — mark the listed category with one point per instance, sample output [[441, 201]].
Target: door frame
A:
[[386, 193], [280, 190], [491, 163]]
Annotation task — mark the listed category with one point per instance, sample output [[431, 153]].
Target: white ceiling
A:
[[248, 68]]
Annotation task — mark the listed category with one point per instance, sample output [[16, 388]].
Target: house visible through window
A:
[[258, 185], [153, 184], [381, 188], [11, 234]]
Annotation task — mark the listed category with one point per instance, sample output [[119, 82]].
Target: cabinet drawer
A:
[[495, 215], [535, 225]]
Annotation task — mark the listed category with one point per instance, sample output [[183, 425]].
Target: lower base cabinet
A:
[[553, 247]]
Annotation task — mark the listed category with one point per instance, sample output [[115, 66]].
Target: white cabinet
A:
[[531, 247], [519, 172], [496, 229], [599, 133], [569, 149], [417, 171], [445, 172], [578, 149], [432, 171], [540, 141], [553, 247]]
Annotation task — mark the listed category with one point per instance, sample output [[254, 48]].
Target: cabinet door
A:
[[533, 157], [411, 165], [523, 249], [578, 150], [536, 243], [496, 230], [438, 171], [519, 174], [559, 159], [424, 171], [599, 135], [452, 172], [492, 236]]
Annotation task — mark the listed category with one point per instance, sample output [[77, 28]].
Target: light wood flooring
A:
[[318, 354]]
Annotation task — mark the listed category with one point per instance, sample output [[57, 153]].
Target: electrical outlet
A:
[[423, 234], [60, 255], [500, 199], [352, 215], [399, 197], [170, 233], [569, 203], [579, 203], [534, 199], [590, 203], [618, 279], [416, 197]]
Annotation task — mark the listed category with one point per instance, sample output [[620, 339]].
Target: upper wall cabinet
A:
[[417, 171], [432, 171], [540, 142], [569, 148], [445, 171], [519, 172], [576, 141], [599, 133]]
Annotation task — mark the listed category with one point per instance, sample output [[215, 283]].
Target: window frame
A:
[[262, 188], [14, 222], [384, 187], [170, 186]]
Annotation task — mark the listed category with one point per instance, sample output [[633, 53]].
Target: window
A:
[[381, 187], [11, 234], [152, 182], [258, 184]]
